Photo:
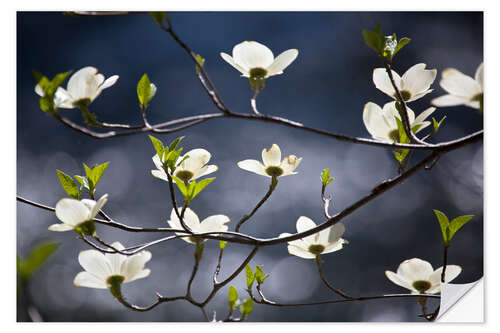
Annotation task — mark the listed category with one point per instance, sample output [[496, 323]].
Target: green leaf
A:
[[437, 124], [458, 223], [49, 89], [97, 172], [400, 154], [158, 146], [182, 187], [233, 297], [84, 182], [259, 275], [37, 257], [200, 62], [158, 17], [374, 39], [144, 90], [175, 143], [444, 224], [200, 186], [222, 244], [246, 307], [69, 184], [401, 43], [325, 177], [249, 275]]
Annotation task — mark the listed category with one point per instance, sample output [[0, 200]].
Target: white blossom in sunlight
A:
[[273, 166], [461, 89], [254, 59], [326, 241], [214, 223], [414, 83], [73, 213], [99, 267], [191, 168], [419, 277], [83, 87], [382, 125]]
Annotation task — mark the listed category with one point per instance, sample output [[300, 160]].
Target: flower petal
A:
[[290, 163], [375, 122], [197, 159], [423, 116], [335, 232], [399, 280], [282, 61], [60, 227], [383, 83], [459, 84], [303, 224], [133, 268], [253, 166], [214, 223], [71, 211], [116, 259], [160, 174], [449, 100], [85, 279], [415, 269], [207, 169], [479, 76], [99, 204], [252, 55], [300, 252], [417, 79], [109, 82], [83, 84], [95, 263], [272, 156], [338, 245], [452, 271], [230, 60]]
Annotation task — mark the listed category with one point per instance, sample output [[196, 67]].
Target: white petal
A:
[[303, 224], [60, 227], [134, 266], [83, 84], [399, 280], [214, 223], [390, 112], [272, 156], [290, 163], [152, 91], [71, 211], [281, 62], [457, 83], [335, 232], [383, 83], [423, 116], [109, 82], [190, 219], [417, 79], [39, 90], [415, 269], [229, 60], [85, 279], [300, 252], [253, 166], [160, 174], [338, 245], [207, 169], [62, 99], [375, 122], [419, 95], [95, 263], [157, 162], [452, 271], [197, 159], [252, 55], [449, 100], [479, 76], [116, 259], [99, 204]]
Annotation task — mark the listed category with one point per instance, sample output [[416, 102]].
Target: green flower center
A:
[[84, 102], [258, 73], [86, 228], [394, 135], [422, 286], [115, 279], [405, 94], [184, 175], [274, 171], [316, 249]]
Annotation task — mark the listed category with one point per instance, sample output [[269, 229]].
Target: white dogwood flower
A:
[[326, 241], [101, 270], [191, 168], [382, 125], [83, 87], [73, 213], [214, 223], [273, 166], [461, 89], [253, 59], [418, 276], [413, 84]]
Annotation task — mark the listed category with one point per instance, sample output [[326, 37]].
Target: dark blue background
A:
[[326, 87]]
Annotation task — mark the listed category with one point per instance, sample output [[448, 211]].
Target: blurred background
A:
[[326, 87]]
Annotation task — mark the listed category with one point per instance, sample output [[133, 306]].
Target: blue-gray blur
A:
[[326, 87]]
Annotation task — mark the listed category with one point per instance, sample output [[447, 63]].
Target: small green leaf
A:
[[437, 124], [37, 257], [200, 62], [401, 43], [200, 186], [400, 154], [246, 307], [69, 185], [259, 275], [458, 223], [233, 297], [182, 187], [97, 172], [158, 17], [144, 90], [325, 177], [374, 39], [249, 275], [222, 244], [444, 224], [175, 143], [84, 182], [158, 146]]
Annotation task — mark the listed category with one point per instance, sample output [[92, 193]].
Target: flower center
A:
[[405, 94], [422, 286], [316, 249], [115, 279], [258, 72], [84, 102], [86, 228], [184, 175], [274, 171], [394, 135]]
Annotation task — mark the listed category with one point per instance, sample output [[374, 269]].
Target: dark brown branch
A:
[[245, 218], [325, 281]]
